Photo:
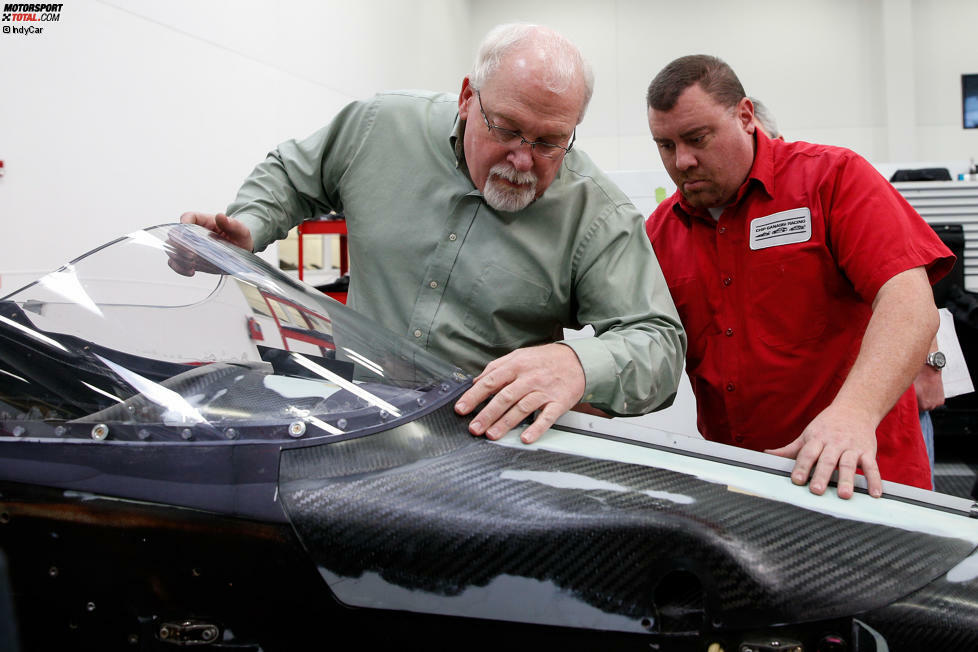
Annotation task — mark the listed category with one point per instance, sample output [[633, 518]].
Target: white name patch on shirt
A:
[[784, 228]]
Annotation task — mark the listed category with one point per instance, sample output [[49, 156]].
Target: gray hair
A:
[[567, 64], [765, 118]]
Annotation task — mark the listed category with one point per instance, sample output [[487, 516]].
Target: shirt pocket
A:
[[507, 309], [787, 302]]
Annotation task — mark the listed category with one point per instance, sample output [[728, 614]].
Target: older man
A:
[[478, 232], [801, 277]]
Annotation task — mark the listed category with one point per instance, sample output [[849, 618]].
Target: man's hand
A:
[[228, 228], [547, 378], [929, 388], [835, 438]]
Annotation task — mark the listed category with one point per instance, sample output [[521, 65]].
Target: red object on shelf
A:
[[338, 227]]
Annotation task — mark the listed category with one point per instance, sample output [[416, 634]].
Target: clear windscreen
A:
[[171, 333]]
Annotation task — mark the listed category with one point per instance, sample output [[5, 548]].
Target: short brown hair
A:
[[712, 74]]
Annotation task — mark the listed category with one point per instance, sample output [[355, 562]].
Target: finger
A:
[[516, 414], [848, 462], [491, 367], [224, 224], [874, 481], [826, 465], [805, 460], [542, 423], [500, 404], [234, 231], [180, 267], [789, 451], [484, 386], [202, 219]]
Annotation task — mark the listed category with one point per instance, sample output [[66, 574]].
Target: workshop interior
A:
[[206, 447]]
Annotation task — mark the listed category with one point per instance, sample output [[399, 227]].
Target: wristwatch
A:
[[936, 360]]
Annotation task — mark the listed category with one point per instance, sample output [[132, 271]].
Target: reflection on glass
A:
[[173, 334]]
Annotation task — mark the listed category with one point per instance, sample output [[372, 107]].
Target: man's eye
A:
[[665, 146]]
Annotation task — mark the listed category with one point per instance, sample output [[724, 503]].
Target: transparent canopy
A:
[[172, 334]]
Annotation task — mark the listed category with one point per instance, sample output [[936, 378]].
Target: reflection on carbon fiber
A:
[[539, 601], [444, 516], [940, 616]]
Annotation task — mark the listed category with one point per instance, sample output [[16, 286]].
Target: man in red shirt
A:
[[802, 279]]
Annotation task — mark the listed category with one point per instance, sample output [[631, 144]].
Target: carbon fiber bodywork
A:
[[424, 517], [159, 492], [941, 616]]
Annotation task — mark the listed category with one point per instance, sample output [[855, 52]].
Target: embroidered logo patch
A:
[[784, 228]]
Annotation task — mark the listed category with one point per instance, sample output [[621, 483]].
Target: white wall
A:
[[833, 71], [128, 112]]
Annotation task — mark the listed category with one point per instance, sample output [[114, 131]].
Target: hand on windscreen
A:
[[185, 262], [232, 230], [548, 378]]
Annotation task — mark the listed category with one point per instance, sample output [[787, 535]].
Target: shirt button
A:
[[731, 387], [452, 237], [722, 229], [417, 332], [727, 281], [728, 332], [433, 285]]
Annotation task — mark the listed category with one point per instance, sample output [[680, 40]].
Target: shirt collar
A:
[[457, 140], [761, 174]]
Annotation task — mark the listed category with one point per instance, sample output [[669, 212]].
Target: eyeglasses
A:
[[510, 137]]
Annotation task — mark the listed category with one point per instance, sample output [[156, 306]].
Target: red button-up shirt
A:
[[775, 295]]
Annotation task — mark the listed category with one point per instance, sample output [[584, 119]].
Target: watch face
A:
[[936, 360]]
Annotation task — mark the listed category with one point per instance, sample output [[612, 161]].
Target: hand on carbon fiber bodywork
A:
[[548, 378]]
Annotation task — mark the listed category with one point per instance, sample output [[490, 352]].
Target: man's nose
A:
[[521, 157], [685, 158]]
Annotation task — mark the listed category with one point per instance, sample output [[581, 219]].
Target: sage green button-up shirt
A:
[[429, 259]]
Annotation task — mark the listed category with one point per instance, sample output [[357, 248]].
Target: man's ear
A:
[[745, 113], [463, 99]]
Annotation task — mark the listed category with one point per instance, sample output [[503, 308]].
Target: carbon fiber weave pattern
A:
[[940, 616], [427, 506]]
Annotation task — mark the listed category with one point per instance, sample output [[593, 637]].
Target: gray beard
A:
[[503, 197]]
